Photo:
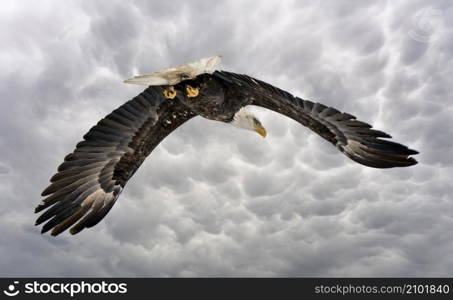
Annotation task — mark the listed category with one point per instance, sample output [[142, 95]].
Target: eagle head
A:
[[246, 120]]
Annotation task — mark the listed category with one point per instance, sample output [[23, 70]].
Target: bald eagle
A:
[[89, 181]]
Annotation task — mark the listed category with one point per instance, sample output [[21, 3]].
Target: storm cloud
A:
[[213, 200]]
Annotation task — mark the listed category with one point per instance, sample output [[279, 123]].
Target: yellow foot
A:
[[192, 92], [169, 92]]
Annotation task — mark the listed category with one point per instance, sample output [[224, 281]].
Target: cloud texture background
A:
[[213, 200]]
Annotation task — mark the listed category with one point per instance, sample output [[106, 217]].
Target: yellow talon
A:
[[192, 92], [170, 92]]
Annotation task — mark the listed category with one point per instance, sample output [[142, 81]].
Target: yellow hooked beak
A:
[[261, 130]]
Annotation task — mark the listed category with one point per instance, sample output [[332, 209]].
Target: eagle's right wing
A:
[[356, 139], [91, 178]]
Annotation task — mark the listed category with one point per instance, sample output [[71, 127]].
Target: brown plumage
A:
[[91, 178]]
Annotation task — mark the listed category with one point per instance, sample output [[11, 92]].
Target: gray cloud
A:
[[212, 199], [4, 169]]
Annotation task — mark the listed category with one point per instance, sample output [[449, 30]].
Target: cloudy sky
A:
[[213, 200]]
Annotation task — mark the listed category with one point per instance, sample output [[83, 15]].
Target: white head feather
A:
[[246, 120]]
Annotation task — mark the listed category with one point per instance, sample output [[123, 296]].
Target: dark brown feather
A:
[[356, 139], [91, 178]]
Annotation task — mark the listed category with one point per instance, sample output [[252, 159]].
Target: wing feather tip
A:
[[413, 152], [38, 209], [412, 161], [44, 229], [74, 231], [46, 192]]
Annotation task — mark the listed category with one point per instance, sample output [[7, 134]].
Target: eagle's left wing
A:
[[356, 139]]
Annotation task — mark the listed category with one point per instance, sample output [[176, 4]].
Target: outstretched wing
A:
[[354, 138], [91, 178]]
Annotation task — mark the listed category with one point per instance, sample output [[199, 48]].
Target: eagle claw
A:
[[169, 93], [192, 92]]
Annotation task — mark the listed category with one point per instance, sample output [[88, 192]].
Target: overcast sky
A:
[[213, 200]]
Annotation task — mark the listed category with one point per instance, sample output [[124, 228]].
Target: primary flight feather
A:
[[91, 178]]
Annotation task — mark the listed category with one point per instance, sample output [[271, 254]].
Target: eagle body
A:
[[91, 178], [215, 101]]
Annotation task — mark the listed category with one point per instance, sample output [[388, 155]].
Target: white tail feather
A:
[[175, 75]]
